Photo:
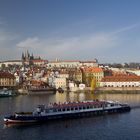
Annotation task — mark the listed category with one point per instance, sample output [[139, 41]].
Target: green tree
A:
[[93, 84]]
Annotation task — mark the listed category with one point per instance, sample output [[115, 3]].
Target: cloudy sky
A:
[[108, 30]]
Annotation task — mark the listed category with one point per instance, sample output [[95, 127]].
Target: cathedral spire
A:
[[28, 55], [22, 56]]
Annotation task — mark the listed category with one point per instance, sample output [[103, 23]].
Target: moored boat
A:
[[67, 110], [6, 93], [60, 90]]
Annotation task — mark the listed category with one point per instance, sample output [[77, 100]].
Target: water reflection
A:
[[121, 126], [133, 99], [81, 97], [28, 103]]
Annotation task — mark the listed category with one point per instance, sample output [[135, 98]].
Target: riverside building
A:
[[7, 80], [120, 81], [93, 73]]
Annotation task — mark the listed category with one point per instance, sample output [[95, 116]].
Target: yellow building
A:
[[7, 79], [92, 74], [78, 75]]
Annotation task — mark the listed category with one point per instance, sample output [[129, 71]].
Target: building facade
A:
[[30, 59], [93, 63], [7, 80], [63, 64], [72, 64], [60, 82], [11, 62], [120, 81], [93, 74]]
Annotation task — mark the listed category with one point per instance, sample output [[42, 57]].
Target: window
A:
[[55, 110], [68, 109], [87, 107]]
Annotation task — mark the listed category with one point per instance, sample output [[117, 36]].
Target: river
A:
[[124, 126]]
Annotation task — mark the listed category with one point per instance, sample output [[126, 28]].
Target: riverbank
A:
[[118, 90], [98, 90]]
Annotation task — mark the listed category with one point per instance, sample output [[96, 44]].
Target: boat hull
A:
[[76, 114]]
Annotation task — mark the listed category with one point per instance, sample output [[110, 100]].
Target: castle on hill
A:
[[29, 59]]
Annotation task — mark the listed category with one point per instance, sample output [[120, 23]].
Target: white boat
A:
[[67, 110], [5, 92]]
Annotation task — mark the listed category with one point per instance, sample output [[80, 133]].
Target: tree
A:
[[3, 66], [93, 84]]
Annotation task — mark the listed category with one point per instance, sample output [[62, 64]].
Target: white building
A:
[[89, 63], [63, 75], [60, 82], [120, 81], [61, 64], [17, 77], [11, 62], [39, 62], [137, 72], [72, 64]]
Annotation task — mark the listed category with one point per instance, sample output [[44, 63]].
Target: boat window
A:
[[87, 107], [80, 108], [71, 108], [55, 110], [84, 107], [59, 110], [50, 110], [63, 109], [76, 108], [68, 109]]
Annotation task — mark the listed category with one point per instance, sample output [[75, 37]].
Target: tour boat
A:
[[68, 110]]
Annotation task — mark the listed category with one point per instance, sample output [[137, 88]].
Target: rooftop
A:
[[6, 75], [126, 78]]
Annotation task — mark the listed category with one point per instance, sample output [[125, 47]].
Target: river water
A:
[[124, 126]]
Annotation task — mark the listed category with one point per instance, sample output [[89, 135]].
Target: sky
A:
[[108, 30]]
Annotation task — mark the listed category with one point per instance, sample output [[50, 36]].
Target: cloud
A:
[[125, 29], [85, 46], [29, 43], [68, 47]]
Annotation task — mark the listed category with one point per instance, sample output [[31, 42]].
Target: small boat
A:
[[6, 93], [67, 110], [60, 90]]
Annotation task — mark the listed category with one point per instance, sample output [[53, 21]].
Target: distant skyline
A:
[[108, 30]]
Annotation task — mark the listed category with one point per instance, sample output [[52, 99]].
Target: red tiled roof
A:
[[93, 70], [6, 75], [121, 78]]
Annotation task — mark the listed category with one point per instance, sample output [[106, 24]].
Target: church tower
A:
[[22, 57]]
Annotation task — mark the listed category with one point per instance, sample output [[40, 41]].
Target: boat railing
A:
[[23, 113]]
